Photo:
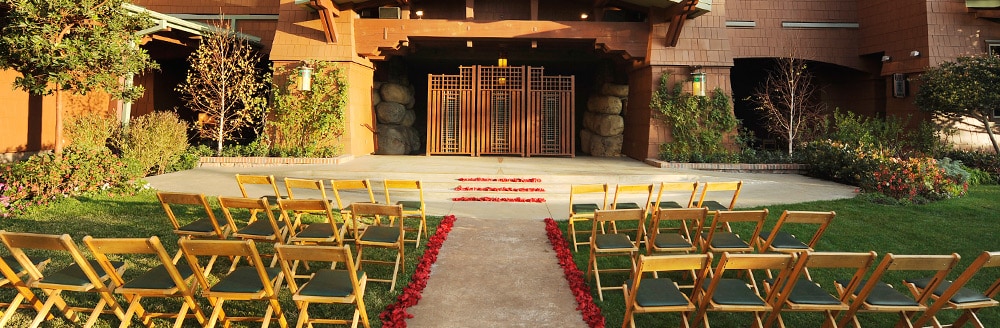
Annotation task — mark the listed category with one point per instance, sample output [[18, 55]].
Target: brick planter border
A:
[[731, 167], [266, 161]]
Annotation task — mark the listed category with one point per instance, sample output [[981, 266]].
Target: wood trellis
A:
[[490, 110]]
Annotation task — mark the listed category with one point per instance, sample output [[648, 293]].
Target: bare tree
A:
[[789, 99], [225, 84]]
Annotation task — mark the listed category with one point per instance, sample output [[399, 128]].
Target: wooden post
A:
[[534, 10]]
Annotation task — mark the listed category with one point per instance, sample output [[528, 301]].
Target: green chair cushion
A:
[[329, 283], [16, 266], [319, 230], [808, 292], [714, 206], [613, 241], [784, 240], [203, 225], [626, 206], [667, 204], [380, 234], [410, 205], [964, 295], [260, 228], [733, 292], [724, 239], [883, 295], [670, 240], [244, 280], [158, 278], [73, 275], [658, 292], [585, 208]]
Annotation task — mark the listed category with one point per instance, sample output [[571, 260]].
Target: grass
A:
[[140, 215], [967, 226]]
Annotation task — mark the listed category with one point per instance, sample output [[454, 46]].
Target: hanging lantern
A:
[[698, 83], [305, 77]]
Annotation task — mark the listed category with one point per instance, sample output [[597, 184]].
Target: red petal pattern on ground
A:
[[395, 314], [585, 302]]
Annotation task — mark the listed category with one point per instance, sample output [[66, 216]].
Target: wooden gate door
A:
[[489, 110]]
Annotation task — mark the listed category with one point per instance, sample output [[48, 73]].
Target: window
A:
[[993, 47]]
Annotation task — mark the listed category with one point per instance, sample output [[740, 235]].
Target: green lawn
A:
[[967, 226], [141, 216]]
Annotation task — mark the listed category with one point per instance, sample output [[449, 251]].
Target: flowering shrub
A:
[[585, 302], [395, 314], [45, 177], [916, 180]]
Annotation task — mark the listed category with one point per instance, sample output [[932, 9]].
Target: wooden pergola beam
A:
[[987, 13], [327, 11], [677, 15]]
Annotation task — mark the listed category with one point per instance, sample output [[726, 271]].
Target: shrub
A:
[[91, 130], [698, 124], [918, 180], [153, 141], [987, 162]]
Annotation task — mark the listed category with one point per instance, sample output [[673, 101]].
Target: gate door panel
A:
[[489, 110], [450, 118]]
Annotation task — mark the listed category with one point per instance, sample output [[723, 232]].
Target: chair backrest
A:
[[718, 187], [102, 247], [602, 216], [195, 248], [314, 206], [253, 205], [822, 219], [378, 212], [18, 242], [701, 264], [339, 186], [243, 180], [738, 261], [688, 219], [414, 185], [722, 219], [688, 189], [635, 189], [984, 260], [169, 199], [859, 262], [575, 190], [311, 185], [940, 264], [289, 254]]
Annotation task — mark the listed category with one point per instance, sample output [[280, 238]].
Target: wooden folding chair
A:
[[720, 191], [877, 296], [682, 189], [342, 188], [201, 221], [328, 232], [259, 185], [663, 294], [164, 280], [380, 234], [411, 208], [308, 189], [254, 282], [807, 295], [613, 244], [11, 276], [722, 294], [677, 237], [83, 276], [781, 239], [954, 295], [327, 286], [619, 202], [581, 210], [720, 236], [271, 230]]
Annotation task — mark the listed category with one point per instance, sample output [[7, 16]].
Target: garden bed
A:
[[731, 167], [266, 161]]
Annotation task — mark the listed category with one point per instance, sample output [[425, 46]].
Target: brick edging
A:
[[267, 161], [731, 167]]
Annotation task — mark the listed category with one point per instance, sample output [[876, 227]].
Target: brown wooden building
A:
[[865, 53]]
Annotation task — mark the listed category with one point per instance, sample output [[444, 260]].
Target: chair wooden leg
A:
[[216, 313], [572, 233], [130, 312], [44, 311], [11, 308], [361, 303], [96, 313]]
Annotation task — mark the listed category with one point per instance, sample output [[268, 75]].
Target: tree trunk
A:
[[58, 148], [989, 132]]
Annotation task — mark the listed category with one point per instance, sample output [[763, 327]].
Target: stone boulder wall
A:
[[409, 118], [394, 139], [376, 97], [607, 125], [606, 146], [585, 137], [396, 93], [395, 115], [390, 112], [617, 90], [604, 105]]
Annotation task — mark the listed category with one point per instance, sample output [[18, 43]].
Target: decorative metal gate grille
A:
[[489, 110]]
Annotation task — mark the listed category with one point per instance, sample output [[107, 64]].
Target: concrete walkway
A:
[[497, 268]]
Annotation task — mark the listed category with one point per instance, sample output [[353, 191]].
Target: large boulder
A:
[[607, 125], [600, 104], [376, 97], [617, 90], [390, 112], [395, 93], [606, 146], [585, 137], [391, 140], [412, 139], [409, 118]]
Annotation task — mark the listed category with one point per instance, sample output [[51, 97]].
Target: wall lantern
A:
[[420, 14], [305, 77], [584, 16], [502, 61], [698, 83]]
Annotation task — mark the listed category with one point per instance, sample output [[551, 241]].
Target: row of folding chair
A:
[[585, 199], [412, 202], [684, 230], [709, 288], [140, 268]]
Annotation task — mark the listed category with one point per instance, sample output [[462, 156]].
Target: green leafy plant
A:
[[309, 123], [698, 124], [154, 141], [968, 87], [91, 130]]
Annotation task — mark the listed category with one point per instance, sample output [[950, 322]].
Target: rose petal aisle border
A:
[[585, 302], [395, 314]]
